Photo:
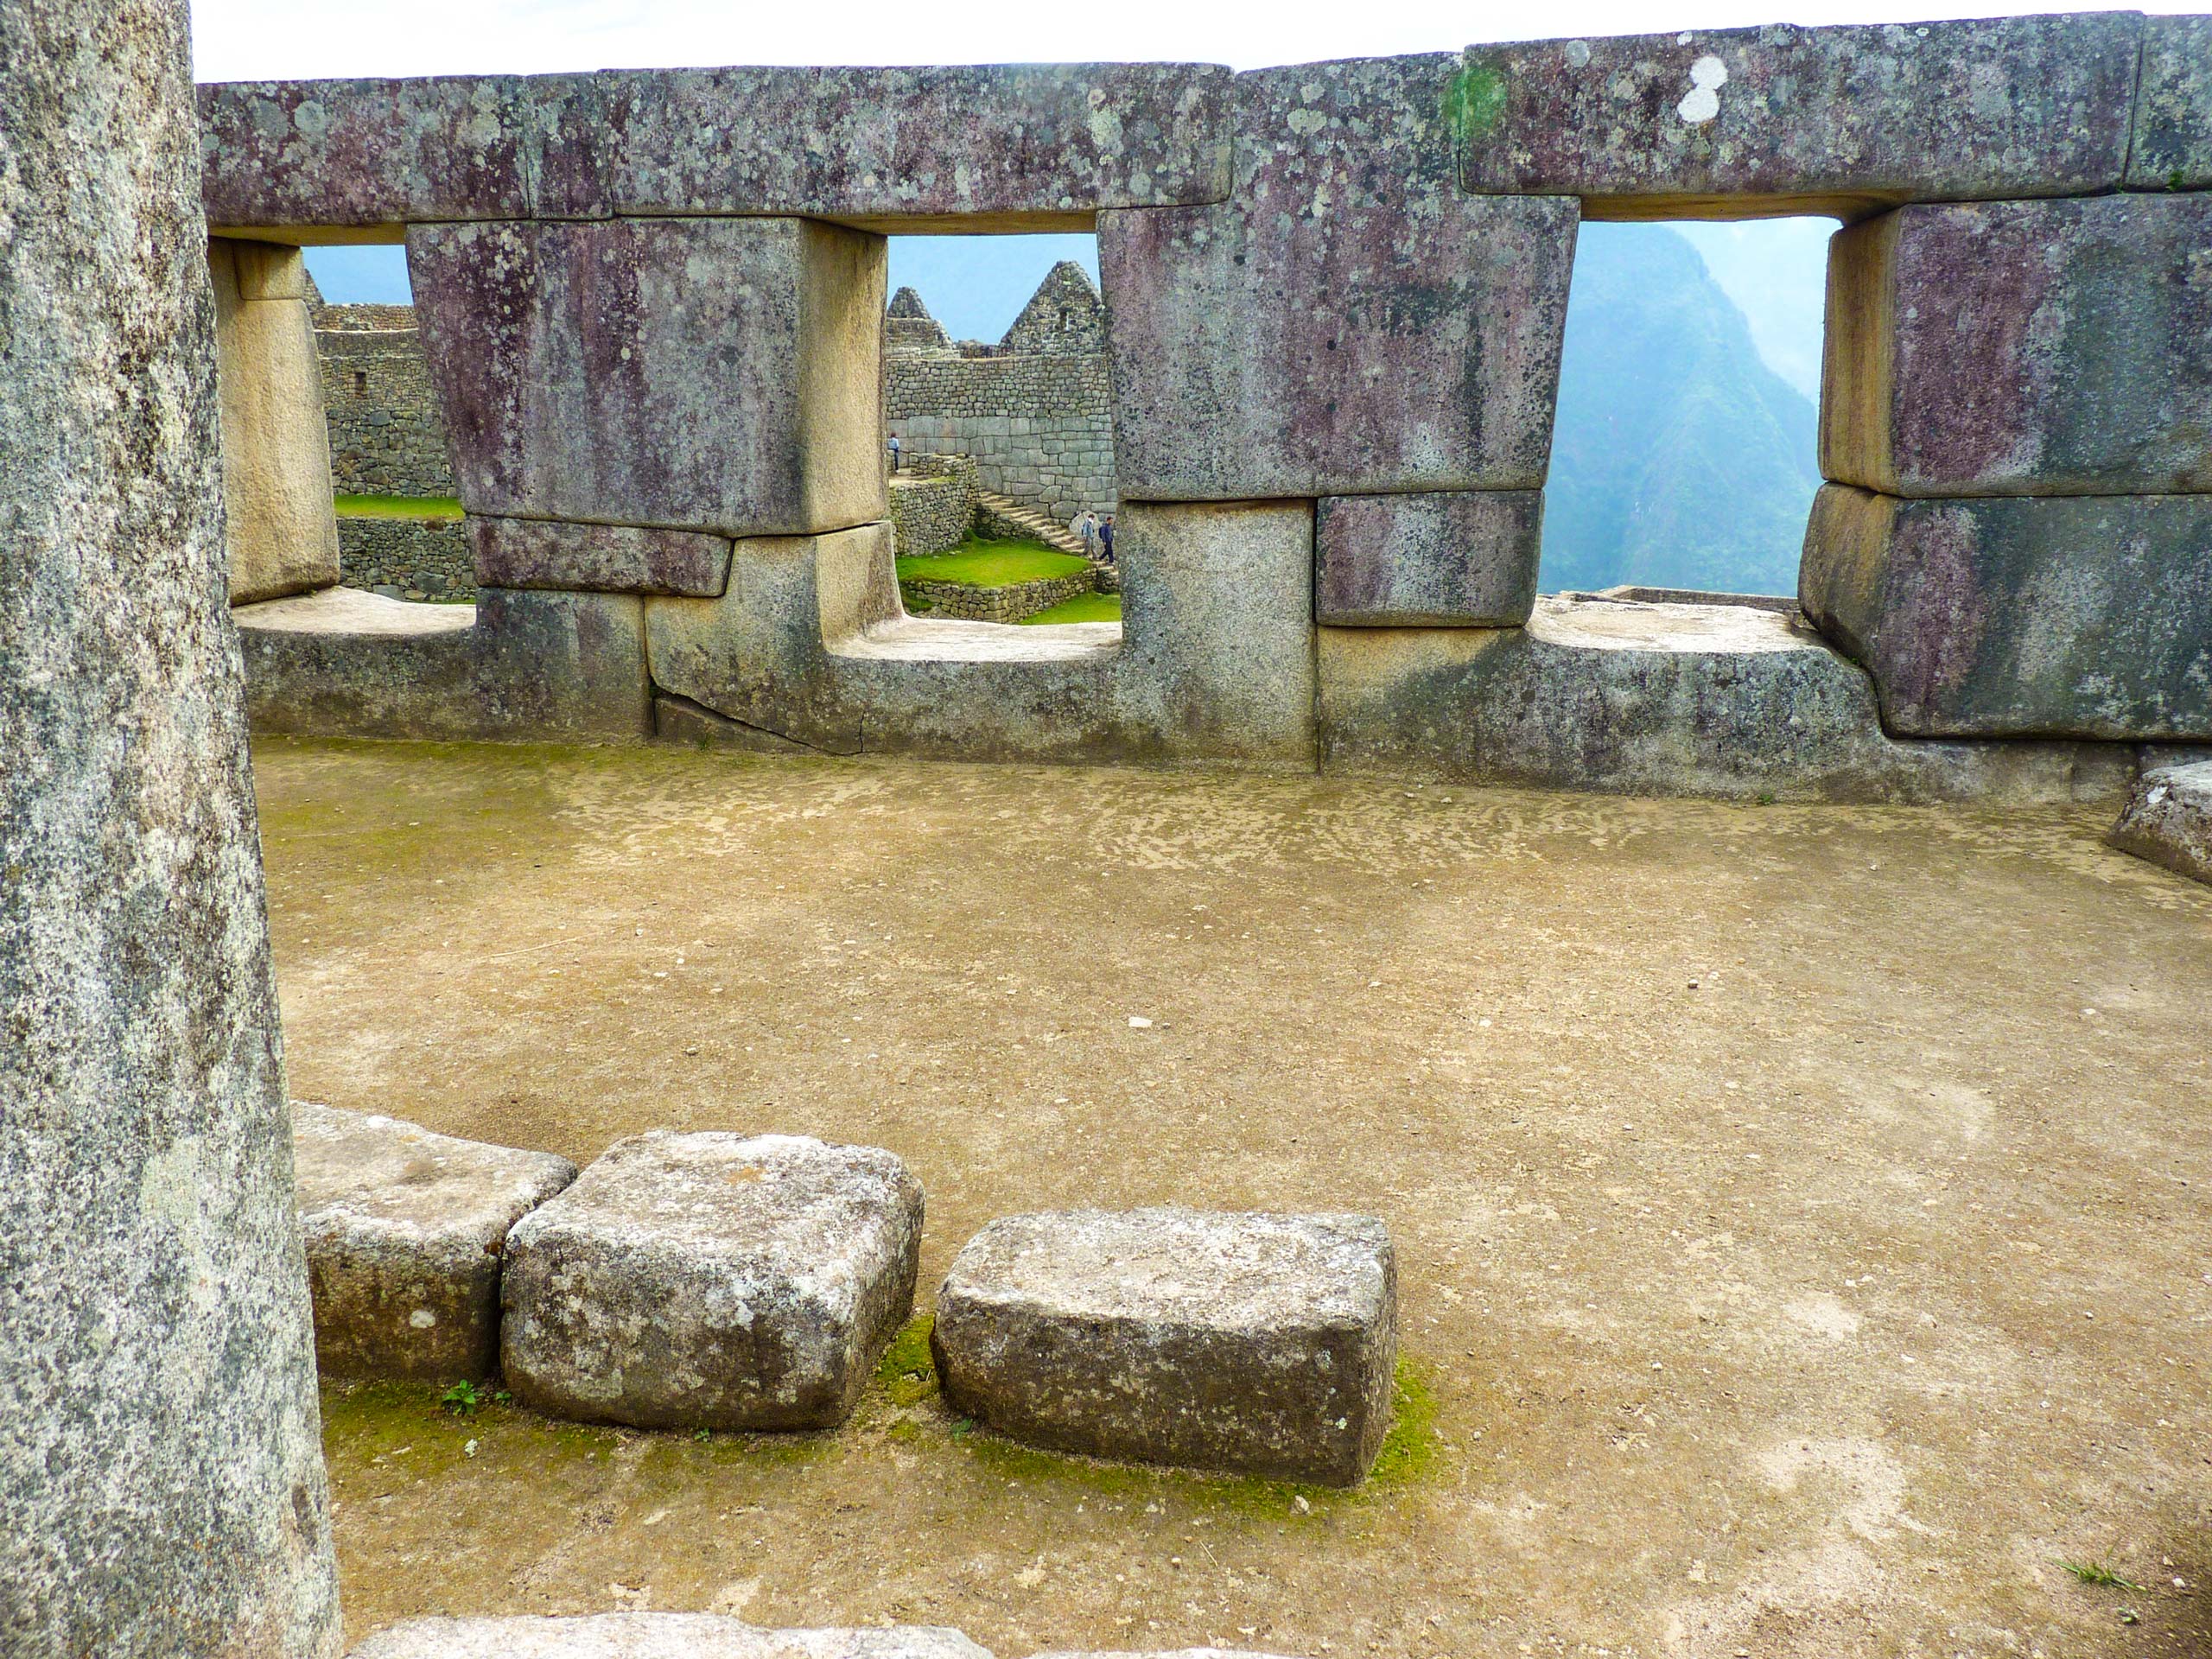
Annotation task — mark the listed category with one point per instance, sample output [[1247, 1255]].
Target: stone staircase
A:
[[1028, 522]]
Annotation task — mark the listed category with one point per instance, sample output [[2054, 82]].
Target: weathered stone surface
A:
[[1000, 147], [281, 537], [2022, 348], [653, 1635], [365, 154], [2071, 616], [2168, 820], [1787, 119], [2172, 148], [404, 1231], [1349, 323], [712, 1280], [1463, 557], [704, 374], [597, 558], [162, 1488], [1176, 1653], [1261, 1344], [1214, 660], [1737, 701], [519, 667]]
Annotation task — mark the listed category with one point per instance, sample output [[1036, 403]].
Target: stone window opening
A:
[[996, 391], [1684, 456]]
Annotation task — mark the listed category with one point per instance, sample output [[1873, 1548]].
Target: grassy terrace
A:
[[397, 507], [991, 564], [1083, 607]]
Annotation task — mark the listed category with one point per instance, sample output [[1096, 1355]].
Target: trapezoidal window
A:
[[1683, 460]]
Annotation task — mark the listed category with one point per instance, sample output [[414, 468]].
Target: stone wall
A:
[[965, 601], [387, 436], [932, 503], [407, 558], [1041, 429]]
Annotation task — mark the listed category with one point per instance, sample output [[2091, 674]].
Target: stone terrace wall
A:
[[1041, 429], [407, 558], [387, 436], [932, 503]]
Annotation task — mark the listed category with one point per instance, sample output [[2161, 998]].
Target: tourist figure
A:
[[1084, 525], [895, 452], [1106, 538]]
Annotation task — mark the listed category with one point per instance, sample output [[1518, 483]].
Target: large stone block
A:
[[283, 537], [597, 558], [1732, 700], [2168, 820], [405, 1229], [653, 1635], [1260, 1343], [1463, 558], [161, 1487], [518, 666], [716, 375], [2172, 148], [2069, 616], [989, 147], [2022, 348], [1218, 622], [1782, 119], [1349, 323], [364, 154], [712, 1280]]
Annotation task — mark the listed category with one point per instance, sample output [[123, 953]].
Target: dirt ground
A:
[[1801, 1211]]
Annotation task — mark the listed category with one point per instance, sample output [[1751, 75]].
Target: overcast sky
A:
[[244, 39]]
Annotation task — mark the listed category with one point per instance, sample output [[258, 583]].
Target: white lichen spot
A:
[[422, 1318], [1577, 54], [1306, 123], [1105, 126], [1702, 101]]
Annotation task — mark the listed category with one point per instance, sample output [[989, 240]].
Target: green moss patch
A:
[[907, 1371]]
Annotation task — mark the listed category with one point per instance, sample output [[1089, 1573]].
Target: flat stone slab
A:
[[2021, 348], [1461, 558], [1841, 119], [1258, 1344], [2173, 148], [2168, 820], [653, 1635], [405, 1229], [712, 1280], [597, 558]]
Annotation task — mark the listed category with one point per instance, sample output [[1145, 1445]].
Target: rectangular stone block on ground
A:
[[1349, 322], [282, 535], [998, 147], [1263, 1344], [2172, 149], [653, 1635], [712, 1280], [1465, 558], [364, 153], [1744, 122], [597, 558], [715, 375], [2021, 348], [405, 1229], [2068, 616], [2168, 820]]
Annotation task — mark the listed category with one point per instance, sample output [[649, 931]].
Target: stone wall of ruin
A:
[[1041, 428], [1334, 300], [387, 433]]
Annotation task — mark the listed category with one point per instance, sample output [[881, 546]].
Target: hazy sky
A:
[[235, 40]]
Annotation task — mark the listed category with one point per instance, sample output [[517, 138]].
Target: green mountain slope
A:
[[1680, 459]]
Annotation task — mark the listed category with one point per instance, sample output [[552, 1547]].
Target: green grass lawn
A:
[[1083, 607], [990, 564], [397, 507]]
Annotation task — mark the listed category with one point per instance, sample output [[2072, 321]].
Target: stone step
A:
[[1048, 529]]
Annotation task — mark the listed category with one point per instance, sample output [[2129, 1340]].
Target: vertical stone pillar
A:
[[283, 536], [162, 1491]]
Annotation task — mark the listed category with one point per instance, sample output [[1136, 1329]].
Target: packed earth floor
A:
[[1800, 1212]]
